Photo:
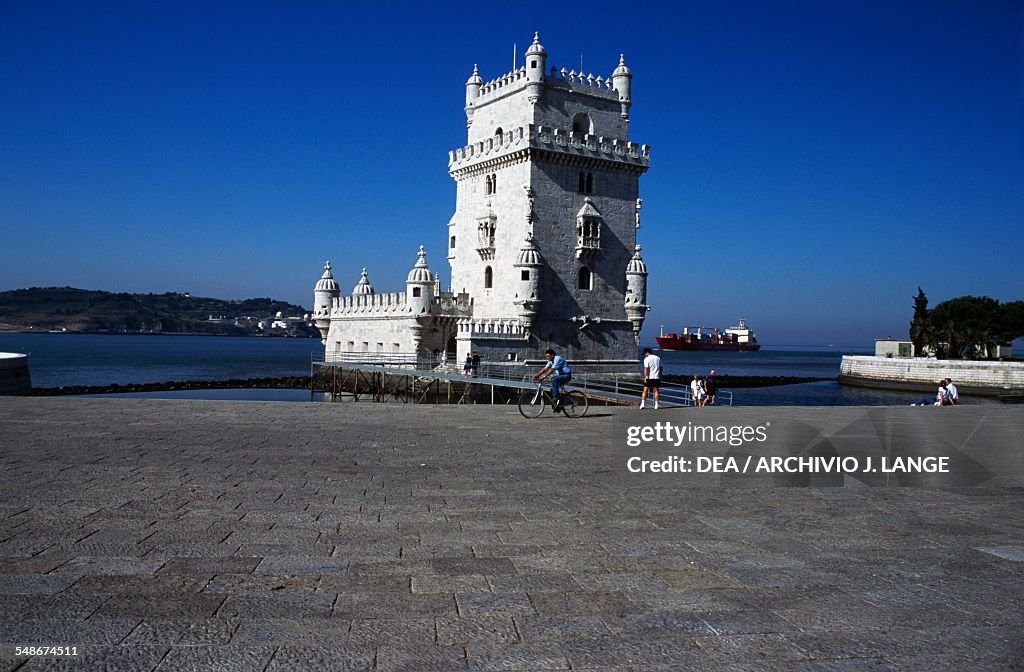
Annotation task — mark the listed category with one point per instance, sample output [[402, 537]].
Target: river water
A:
[[94, 359]]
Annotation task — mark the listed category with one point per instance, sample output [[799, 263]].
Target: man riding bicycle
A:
[[558, 369]]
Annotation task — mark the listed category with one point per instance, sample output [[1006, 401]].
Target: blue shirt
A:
[[559, 364]]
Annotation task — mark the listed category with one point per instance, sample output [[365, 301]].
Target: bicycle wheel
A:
[[531, 403], [575, 404]]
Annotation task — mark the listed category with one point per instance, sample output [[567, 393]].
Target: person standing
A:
[[697, 391], [652, 377], [467, 368], [475, 364], [711, 388]]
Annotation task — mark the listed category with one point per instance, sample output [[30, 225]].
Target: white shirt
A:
[[652, 365]]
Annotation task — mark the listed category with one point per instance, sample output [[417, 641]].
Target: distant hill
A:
[[91, 311]]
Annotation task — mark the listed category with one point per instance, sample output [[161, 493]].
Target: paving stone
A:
[[197, 605], [288, 603], [221, 658], [191, 632], [421, 658], [494, 629], [582, 602], [447, 583], [385, 605], [295, 632], [289, 658], [560, 628], [494, 658], [494, 603], [204, 566], [28, 584], [393, 631], [64, 631]]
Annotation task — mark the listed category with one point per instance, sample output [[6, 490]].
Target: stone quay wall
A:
[[14, 375], [924, 373]]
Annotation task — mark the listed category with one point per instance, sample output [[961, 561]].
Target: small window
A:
[[526, 274], [533, 64], [416, 291], [452, 244], [585, 184], [586, 278], [488, 278]]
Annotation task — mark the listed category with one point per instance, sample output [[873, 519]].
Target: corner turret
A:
[[473, 85], [363, 286], [621, 81], [420, 286], [527, 297], [636, 293], [326, 291], [536, 61]]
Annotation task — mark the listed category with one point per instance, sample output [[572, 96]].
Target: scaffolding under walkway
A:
[[415, 379]]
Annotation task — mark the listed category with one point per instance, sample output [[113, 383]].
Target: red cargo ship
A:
[[739, 338]]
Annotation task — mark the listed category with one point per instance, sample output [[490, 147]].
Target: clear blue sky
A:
[[812, 162]]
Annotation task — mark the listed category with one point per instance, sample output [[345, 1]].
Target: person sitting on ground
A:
[[951, 393], [652, 377], [558, 369]]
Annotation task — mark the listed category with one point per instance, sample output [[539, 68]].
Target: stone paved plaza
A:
[[195, 535]]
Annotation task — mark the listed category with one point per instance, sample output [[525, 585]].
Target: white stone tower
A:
[[549, 162], [327, 289]]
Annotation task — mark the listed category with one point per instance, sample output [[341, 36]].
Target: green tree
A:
[[965, 326], [920, 334]]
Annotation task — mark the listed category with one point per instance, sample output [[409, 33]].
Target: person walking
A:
[[697, 391], [711, 389], [558, 370], [652, 377]]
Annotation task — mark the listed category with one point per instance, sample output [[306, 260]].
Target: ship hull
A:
[[672, 343]]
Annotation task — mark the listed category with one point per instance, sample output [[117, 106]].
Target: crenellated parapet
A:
[[563, 144], [509, 329], [390, 304], [516, 80]]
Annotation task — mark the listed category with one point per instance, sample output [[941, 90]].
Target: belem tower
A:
[[542, 245]]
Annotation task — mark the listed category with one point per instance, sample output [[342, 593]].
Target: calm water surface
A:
[[87, 359]]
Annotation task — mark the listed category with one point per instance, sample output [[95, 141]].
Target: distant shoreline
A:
[[4, 330]]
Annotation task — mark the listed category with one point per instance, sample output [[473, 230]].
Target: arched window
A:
[[586, 278], [494, 184], [488, 278], [499, 134], [582, 124], [585, 185]]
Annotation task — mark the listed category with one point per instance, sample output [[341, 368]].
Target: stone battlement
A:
[[513, 81], [390, 303], [495, 328], [551, 139]]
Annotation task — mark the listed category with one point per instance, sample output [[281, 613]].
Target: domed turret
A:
[[420, 286], [530, 266], [636, 292], [473, 85], [363, 286], [536, 61], [325, 292], [621, 81]]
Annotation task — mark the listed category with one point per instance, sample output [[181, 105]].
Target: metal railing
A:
[[616, 387]]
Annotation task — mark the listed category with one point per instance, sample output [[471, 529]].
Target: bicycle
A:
[[573, 403]]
